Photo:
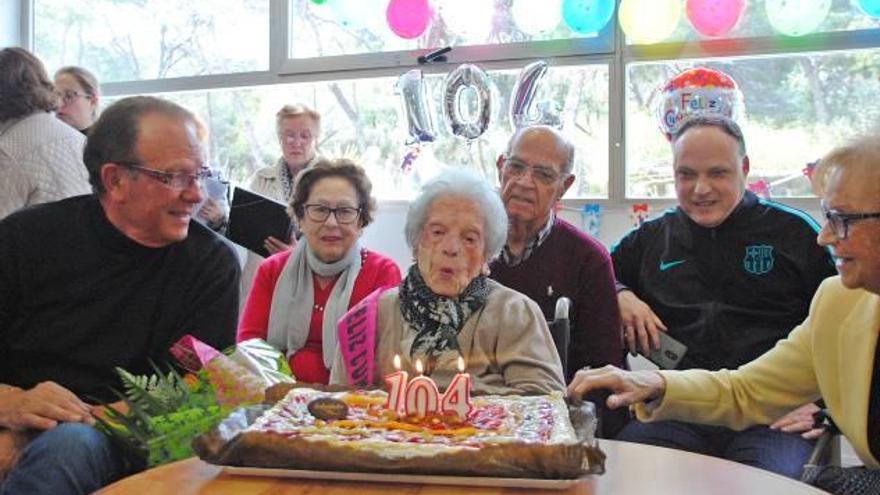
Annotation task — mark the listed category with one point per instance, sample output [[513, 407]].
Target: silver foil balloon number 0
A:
[[467, 76]]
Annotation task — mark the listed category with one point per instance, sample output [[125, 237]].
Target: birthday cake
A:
[[505, 436]]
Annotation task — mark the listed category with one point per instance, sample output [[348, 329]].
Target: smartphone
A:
[[669, 354]]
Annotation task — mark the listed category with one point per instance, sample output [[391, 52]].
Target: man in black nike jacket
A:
[[728, 274]]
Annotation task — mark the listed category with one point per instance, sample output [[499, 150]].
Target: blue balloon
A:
[[587, 16], [870, 8]]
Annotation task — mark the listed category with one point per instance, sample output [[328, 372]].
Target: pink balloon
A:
[[409, 18], [714, 18]]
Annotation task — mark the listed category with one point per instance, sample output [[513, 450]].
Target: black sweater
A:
[[78, 298]]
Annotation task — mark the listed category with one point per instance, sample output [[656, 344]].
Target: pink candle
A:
[[422, 396], [457, 399], [396, 388]]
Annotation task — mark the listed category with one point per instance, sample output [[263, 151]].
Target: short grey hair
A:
[[562, 142], [466, 184], [727, 125]]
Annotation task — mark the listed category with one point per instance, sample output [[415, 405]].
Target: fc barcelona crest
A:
[[759, 259]]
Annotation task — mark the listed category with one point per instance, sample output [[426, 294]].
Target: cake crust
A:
[[534, 438]]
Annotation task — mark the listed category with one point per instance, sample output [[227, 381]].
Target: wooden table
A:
[[631, 469]]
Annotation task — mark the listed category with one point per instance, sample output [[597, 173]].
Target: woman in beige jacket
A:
[[298, 128]]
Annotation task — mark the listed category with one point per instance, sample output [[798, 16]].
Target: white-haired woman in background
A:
[[447, 307], [298, 128]]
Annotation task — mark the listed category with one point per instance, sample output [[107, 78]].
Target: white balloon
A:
[[796, 18], [357, 14], [470, 19], [536, 17]]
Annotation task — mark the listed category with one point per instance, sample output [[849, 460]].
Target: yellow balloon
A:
[[648, 21]]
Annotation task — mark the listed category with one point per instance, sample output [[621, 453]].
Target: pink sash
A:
[[356, 331]]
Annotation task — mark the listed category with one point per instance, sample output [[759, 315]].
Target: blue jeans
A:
[[70, 458], [758, 446]]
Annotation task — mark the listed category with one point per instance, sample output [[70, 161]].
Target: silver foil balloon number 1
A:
[[420, 127]]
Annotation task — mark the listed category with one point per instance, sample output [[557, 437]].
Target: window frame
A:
[[829, 42], [608, 48]]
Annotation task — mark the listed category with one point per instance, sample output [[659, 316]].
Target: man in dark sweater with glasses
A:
[[99, 281], [546, 257]]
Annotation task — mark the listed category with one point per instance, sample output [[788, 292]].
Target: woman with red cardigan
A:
[[298, 295]]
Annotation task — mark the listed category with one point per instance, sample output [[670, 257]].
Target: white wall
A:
[[10, 23]]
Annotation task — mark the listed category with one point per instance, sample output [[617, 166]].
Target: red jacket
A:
[[376, 271]]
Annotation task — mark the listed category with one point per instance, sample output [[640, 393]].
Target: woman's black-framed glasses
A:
[[68, 95], [175, 180], [320, 213], [840, 221]]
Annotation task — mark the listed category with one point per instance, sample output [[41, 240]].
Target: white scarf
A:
[[293, 299]]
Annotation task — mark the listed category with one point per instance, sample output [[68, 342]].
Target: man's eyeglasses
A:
[[320, 213], [69, 95], [293, 137], [542, 174], [175, 180], [839, 222]]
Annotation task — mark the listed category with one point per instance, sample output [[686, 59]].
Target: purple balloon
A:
[[409, 18], [714, 18]]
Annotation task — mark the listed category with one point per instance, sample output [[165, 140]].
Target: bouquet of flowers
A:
[[159, 415]]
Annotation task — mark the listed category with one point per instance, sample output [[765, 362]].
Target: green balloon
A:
[[319, 2], [796, 18]]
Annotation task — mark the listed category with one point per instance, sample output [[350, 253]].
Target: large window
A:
[[237, 62], [797, 108], [348, 27], [763, 18], [361, 119], [155, 39]]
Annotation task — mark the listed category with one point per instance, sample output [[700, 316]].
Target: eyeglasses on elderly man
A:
[[175, 180]]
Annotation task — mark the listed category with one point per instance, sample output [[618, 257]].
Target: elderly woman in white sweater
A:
[[298, 128]]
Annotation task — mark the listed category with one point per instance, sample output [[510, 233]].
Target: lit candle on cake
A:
[[422, 396], [457, 399], [396, 388]]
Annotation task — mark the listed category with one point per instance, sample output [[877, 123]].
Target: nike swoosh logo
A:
[[667, 266]]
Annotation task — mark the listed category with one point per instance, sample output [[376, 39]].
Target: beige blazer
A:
[[829, 355]]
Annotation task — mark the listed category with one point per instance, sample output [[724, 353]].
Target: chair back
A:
[[827, 449], [560, 330]]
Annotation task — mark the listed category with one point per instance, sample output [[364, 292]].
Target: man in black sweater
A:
[[105, 280]]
